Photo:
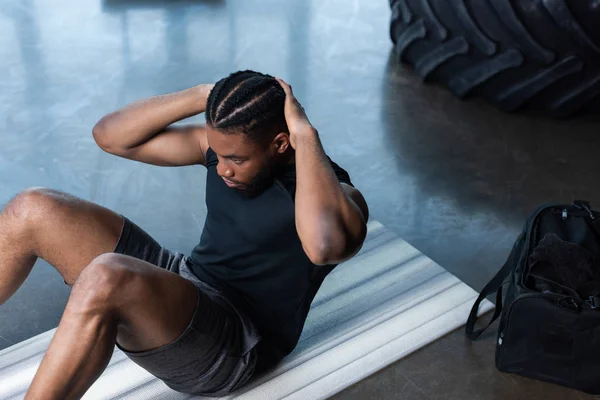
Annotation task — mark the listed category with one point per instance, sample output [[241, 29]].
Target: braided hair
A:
[[248, 102]]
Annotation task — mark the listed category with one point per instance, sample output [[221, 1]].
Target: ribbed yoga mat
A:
[[385, 303]]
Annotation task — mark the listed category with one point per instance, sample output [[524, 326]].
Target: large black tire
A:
[[520, 54]]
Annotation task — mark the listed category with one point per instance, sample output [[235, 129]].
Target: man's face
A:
[[243, 165]]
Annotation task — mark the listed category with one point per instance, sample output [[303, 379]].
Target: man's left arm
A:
[[331, 217]]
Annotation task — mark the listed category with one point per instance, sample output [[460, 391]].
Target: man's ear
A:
[[281, 142]]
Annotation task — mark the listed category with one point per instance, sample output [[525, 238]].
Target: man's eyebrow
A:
[[230, 156]]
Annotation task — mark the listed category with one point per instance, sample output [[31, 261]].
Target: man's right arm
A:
[[142, 131]]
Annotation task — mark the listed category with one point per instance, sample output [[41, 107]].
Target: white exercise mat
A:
[[385, 303]]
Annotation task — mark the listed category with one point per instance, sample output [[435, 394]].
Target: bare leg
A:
[[116, 298], [65, 231]]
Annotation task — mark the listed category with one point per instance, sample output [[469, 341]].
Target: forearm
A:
[[138, 122], [327, 220]]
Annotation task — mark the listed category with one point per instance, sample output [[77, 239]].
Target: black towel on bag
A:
[[567, 264]]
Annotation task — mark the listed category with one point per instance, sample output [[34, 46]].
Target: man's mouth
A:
[[231, 184]]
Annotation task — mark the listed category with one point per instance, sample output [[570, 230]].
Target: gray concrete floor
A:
[[455, 179]]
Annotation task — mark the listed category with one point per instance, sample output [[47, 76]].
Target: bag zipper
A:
[[593, 303], [503, 332], [563, 210], [584, 206]]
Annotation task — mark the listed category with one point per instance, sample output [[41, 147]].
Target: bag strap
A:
[[495, 285]]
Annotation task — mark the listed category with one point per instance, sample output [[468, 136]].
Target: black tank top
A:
[[250, 249]]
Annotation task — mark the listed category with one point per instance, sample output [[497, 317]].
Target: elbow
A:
[[100, 136], [327, 255], [105, 139], [319, 254], [336, 249], [319, 251]]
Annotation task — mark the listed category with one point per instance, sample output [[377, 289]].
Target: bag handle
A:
[[495, 285]]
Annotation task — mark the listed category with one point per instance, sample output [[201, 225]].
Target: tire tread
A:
[[439, 29], [465, 81], [413, 33], [519, 92], [577, 97], [489, 49], [562, 16], [483, 43], [430, 61], [507, 15]]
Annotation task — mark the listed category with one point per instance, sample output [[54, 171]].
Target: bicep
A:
[[174, 146]]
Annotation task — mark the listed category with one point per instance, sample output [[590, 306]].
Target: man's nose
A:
[[224, 170]]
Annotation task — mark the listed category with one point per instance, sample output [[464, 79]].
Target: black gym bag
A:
[[550, 318]]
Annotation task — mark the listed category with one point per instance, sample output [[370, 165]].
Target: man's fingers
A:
[[286, 88], [290, 98]]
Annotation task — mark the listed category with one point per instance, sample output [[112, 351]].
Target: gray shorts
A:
[[216, 354]]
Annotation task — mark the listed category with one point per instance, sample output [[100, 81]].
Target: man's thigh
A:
[[178, 330], [152, 306]]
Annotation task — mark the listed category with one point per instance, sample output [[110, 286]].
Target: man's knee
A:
[[32, 203], [102, 283]]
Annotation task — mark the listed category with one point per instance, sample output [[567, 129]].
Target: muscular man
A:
[[281, 215]]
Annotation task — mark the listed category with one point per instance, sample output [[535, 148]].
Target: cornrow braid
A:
[[248, 102]]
